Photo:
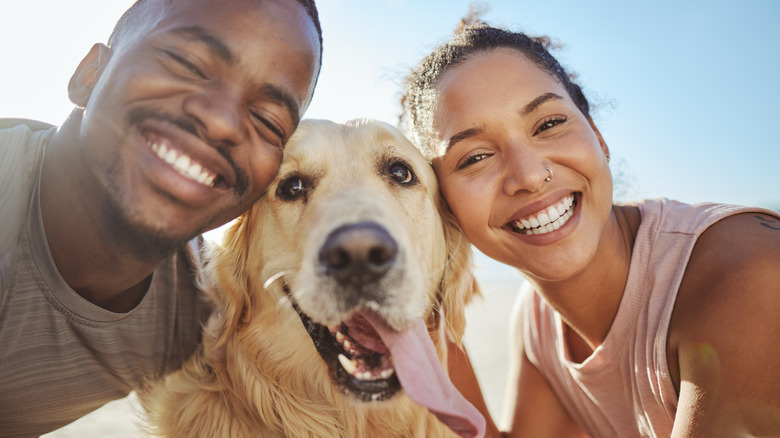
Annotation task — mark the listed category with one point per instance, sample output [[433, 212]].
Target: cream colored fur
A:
[[258, 373]]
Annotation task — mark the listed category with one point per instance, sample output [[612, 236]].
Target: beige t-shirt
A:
[[60, 355], [623, 389]]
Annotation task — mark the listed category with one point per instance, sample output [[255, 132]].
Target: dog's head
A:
[[353, 235]]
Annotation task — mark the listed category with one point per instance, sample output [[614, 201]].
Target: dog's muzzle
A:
[[358, 254]]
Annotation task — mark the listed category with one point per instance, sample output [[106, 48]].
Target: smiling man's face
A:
[[186, 119]]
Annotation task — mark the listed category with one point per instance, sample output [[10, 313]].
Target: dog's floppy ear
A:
[[459, 285], [227, 266]]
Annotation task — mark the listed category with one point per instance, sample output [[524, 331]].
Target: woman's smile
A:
[[546, 220]]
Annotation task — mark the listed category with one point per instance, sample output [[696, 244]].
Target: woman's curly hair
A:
[[472, 37]]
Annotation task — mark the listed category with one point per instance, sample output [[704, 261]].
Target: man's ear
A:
[[604, 146], [86, 75]]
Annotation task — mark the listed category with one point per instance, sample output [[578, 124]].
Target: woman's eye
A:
[[401, 173], [471, 159], [549, 123], [291, 188]]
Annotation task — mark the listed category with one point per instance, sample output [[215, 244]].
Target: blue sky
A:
[[685, 93]]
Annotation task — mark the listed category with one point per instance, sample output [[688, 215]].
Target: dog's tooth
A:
[[349, 365], [375, 396], [347, 344], [365, 375], [340, 337], [387, 373]]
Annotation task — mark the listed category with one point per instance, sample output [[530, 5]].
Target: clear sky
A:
[[685, 93]]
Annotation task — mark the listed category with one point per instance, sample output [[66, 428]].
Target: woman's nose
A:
[[525, 169]]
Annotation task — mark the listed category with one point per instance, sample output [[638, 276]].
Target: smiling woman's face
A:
[[502, 123]]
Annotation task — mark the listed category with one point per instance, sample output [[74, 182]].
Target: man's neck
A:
[[97, 269]]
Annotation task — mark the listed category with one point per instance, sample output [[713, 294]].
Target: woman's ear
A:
[[87, 74], [604, 146]]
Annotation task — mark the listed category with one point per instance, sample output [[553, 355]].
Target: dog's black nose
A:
[[358, 253]]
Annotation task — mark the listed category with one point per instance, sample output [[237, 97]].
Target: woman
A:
[[648, 319]]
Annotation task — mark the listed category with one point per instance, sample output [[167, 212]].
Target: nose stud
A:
[[549, 178]]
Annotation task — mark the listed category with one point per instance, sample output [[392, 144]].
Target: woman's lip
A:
[[533, 209], [560, 230]]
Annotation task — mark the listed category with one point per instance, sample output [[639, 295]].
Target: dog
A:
[[340, 286]]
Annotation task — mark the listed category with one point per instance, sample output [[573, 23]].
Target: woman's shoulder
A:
[[733, 275], [724, 329]]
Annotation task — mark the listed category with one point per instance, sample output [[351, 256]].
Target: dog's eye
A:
[[401, 173], [291, 188]]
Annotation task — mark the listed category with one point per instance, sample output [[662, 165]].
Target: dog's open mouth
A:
[[358, 355], [357, 358]]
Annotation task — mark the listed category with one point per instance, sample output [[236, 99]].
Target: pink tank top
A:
[[623, 389]]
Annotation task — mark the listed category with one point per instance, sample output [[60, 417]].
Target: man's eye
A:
[[291, 188], [549, 123], [187, 65], [401, 173], [270, 126]]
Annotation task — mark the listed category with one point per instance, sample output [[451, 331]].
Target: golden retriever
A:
[[339, 286]]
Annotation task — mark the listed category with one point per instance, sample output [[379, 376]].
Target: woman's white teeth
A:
[[184, 164], [549, 219]]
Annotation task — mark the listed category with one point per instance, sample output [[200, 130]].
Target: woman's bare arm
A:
[[725, 332]]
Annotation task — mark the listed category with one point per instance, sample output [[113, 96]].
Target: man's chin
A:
[[144, 242]]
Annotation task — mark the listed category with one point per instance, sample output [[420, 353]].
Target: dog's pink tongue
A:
[[422, 377]]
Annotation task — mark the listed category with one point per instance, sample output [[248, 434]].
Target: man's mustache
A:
[[138, 115]]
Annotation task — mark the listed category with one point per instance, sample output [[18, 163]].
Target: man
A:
[[179, 126]]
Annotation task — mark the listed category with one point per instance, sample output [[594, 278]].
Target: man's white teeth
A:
[[184, 164], [549, 219]]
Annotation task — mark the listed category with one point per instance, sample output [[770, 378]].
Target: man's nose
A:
[[219, 113]]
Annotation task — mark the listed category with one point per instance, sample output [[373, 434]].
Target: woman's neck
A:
[[589, 301]]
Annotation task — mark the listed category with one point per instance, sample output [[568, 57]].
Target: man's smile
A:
[[183, 164]]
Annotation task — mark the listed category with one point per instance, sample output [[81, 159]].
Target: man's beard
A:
[[146, 244]]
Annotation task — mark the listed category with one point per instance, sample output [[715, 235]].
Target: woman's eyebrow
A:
[[536, 103], [527, 109], [463, 135]]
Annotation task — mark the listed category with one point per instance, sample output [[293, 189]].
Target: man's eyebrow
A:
[[280, 97], [463, 135], [214, 44], [223, 52], [536, 103]]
